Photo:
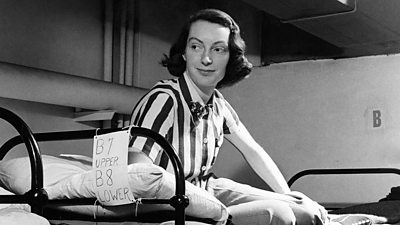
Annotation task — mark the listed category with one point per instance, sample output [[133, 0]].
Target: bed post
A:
[[180, 200], [37, 196]]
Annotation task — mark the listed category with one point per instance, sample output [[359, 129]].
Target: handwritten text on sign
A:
[[110, 159]]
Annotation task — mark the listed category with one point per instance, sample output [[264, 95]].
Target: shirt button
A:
[[203, 168], [205, 140]]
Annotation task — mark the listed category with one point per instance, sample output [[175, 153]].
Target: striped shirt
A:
[[165, 109]]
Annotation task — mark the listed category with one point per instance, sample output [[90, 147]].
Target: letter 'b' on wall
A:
[[375, 118]]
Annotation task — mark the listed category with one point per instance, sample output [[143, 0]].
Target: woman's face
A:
[[207, 54]]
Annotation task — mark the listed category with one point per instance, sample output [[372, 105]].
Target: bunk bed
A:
[[152, 210], [185, 204], [387, 207]]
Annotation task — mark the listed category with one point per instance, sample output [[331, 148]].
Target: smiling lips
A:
[[205, 71]]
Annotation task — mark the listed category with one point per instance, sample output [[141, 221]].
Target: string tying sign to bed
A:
[[110, 166]]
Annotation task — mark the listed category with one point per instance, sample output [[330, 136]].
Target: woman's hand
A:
[[318, 210]]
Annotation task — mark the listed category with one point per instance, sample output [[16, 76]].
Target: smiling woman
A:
[[238, 66], [195, 118], [206, 56]]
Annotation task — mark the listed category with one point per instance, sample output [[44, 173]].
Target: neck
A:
[[205, 95]]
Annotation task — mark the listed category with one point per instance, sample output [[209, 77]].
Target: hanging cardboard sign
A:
[[110, 168]]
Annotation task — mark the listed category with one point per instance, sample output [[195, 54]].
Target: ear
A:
[[184, 58]]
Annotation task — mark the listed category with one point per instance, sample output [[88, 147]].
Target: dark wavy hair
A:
[[238, 66]]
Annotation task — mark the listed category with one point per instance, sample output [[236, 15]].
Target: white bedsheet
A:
[[17, 214]]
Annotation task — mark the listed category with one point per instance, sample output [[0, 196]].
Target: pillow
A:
[[15, 174], [72, 179], [16, 216], [6, 205]]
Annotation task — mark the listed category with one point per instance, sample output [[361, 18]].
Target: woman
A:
[[195, 118]]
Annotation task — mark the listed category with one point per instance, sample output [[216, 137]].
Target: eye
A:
[[220, 49], [195, 47]]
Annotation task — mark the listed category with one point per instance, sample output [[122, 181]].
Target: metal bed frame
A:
[[37, 196], [341, 171], [40, 204]]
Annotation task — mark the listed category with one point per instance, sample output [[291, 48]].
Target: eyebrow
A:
[[194, 38]]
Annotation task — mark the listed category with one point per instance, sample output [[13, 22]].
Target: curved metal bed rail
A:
[[342, 171], [179, 201], [54, 136], [37, 196]]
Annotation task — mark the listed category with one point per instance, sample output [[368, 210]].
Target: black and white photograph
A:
[[196, 112]]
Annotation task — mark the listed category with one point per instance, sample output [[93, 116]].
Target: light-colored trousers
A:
[[253, 206]]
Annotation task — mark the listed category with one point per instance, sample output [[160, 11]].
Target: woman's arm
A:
[[266, 168], [258, 159]]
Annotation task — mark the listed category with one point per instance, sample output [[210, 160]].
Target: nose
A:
[[206, 59]]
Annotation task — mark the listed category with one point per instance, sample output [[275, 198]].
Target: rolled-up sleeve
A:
[[231, 119]]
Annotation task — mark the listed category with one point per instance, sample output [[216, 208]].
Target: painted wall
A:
[[61, 36], [324, 114]]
